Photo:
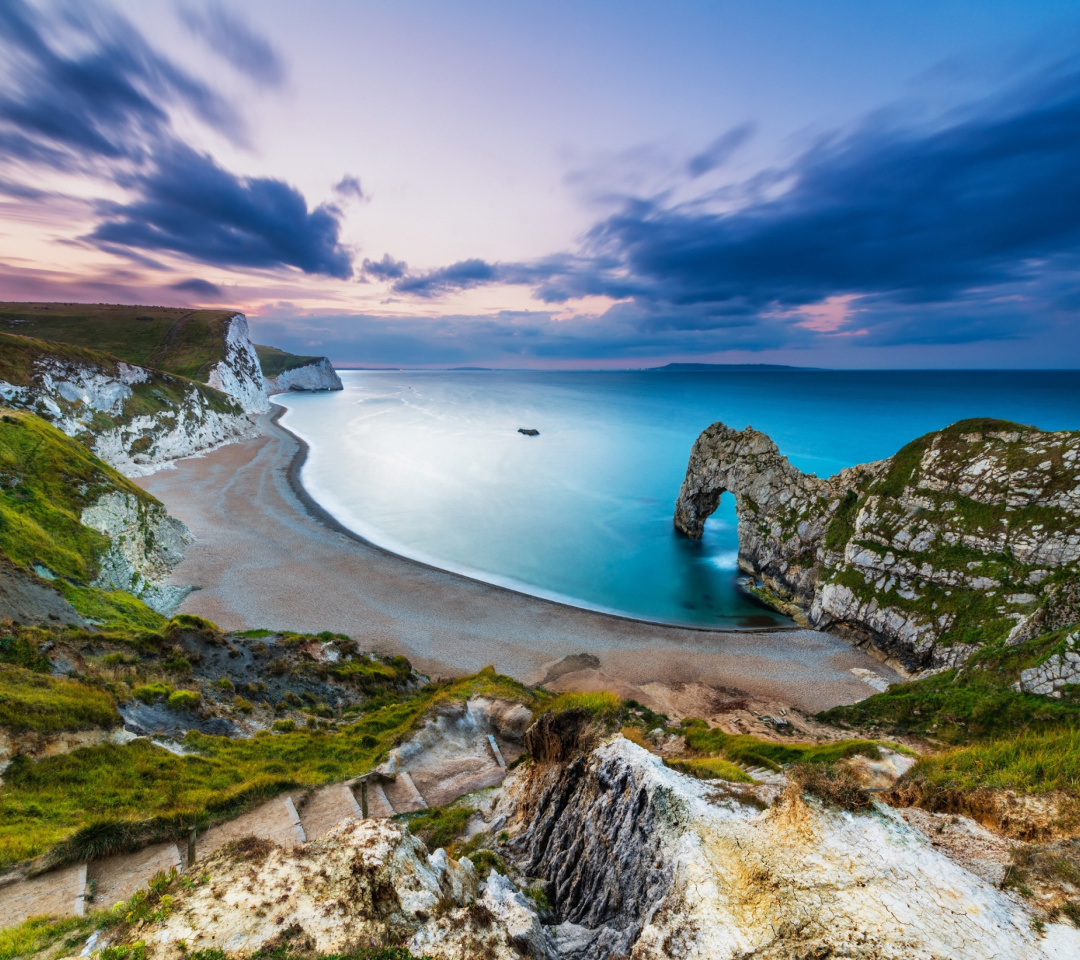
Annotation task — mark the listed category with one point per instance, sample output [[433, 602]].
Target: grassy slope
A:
[[158, 394], [185, 342], [102, 798], [978, 617], [999, 737], [36, 702], [274, 361], [46, 480]]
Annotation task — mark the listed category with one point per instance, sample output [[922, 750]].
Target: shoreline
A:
[[322, 515], [264, 558]]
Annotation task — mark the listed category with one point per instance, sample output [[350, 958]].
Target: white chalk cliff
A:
[[318, 375]]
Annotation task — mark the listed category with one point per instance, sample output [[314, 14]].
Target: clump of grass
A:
[[711, 768], [44, 704], [601, 705], [149, 692], [835, 785], [439, 826], [40, 933], [21, 652], [184, 699], [744, 748], [1033, 762]]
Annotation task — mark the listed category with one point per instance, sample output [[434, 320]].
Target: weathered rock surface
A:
[[238, 373], [1055, 673], [368, 880], [966, 535], [146, 544], [641, 861], [319, 375], [133, 418]]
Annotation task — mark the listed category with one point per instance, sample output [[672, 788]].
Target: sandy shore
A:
[[264, 557]]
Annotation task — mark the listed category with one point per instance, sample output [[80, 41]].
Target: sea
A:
[[431, 465]]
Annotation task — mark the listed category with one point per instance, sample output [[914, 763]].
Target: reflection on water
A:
[[431, 465]]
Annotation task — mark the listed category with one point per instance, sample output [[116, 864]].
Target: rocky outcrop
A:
[[146, 543], [641, 861], [238, 373], [368, 881], [317, 375], [38, 746], [1056, 673], [966, 535], [133, 418]]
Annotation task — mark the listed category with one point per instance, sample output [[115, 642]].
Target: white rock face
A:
[[88, 401], [646, 862], [238, 373], [1055, 673], [368, 880], [146, 544], [319, 375]]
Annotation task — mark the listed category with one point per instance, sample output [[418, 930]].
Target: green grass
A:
[[274, 361], [112, 608], [601, 704], [102, 799], [184, 342], [1033, 762], [711, 768], [39, 933], [37, 702], [438, 826], [974, 703], [743, 748], [46, 481]]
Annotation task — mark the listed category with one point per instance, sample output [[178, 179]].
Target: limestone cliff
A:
[[238, 374], [287, 371], [967, 535], [132, 417], [319, 375]]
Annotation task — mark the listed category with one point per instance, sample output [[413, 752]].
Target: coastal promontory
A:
[[966, 536]]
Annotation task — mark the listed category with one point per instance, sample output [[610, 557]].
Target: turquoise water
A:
[[431, 465]]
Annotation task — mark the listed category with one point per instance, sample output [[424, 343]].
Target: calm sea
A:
[[431, 465]]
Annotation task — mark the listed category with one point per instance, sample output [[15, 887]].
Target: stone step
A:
[[116, 878], [379, 805], [326, 808], [58, 893], [403, 795], [276, 820]]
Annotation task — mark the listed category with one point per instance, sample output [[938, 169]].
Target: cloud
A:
[[188, 204], [385, 269], [83, 91], [85, 86], [349, 186], [235, 42], [203, 289], [892, 217], [717, 153]]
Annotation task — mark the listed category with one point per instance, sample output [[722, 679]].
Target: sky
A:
[[587, 184]]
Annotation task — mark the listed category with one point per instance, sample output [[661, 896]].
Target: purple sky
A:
[[558, 184]]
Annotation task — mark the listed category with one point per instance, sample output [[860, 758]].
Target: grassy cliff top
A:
[[275, 362], [185, 342]]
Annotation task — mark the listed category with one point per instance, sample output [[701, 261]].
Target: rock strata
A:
[[967, 535], [318, 375]]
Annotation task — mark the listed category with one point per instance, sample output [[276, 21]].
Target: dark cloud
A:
[[234, 41], [203, 289], [82, 90], [950, 214], [717, 153], [349, 186], [86, 86], [386, 269], [189, 205]]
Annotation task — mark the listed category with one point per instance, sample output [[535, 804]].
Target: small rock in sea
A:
[[529, 432]]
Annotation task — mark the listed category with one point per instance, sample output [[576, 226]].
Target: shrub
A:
[[283, 726], [224, 683], [600, 704], [244, 706], [184, 699], [835, 785], [149, 692]]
